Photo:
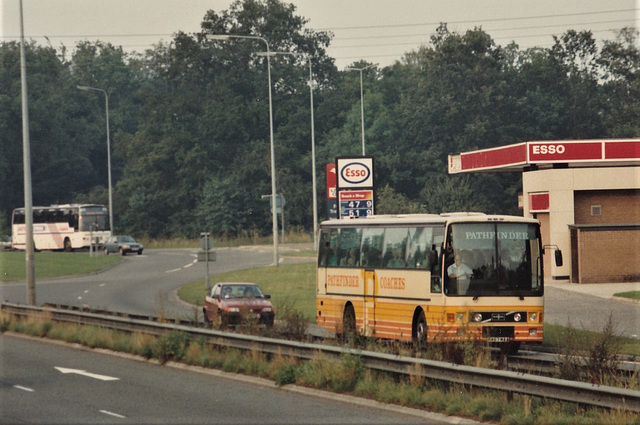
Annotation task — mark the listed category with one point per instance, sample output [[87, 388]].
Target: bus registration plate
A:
[[498, 339]]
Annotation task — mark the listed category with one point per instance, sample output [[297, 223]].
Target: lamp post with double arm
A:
[[274, 214], [313, 142], [362, 100], [106, 101]]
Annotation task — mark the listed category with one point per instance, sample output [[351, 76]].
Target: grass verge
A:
[[632, 295], [288, 285], [53, 264]]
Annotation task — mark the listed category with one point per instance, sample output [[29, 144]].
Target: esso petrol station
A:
[[586, 194]]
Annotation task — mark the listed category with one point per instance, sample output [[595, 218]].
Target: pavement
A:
[[601, 290], [592, 306]]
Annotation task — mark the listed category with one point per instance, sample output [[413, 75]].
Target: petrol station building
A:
[[586, 194]]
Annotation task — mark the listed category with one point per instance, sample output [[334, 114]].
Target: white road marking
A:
[[20, 387], [87, 374], [183, 267], [106, 412]]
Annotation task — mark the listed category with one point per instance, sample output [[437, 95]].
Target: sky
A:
[[377, 31]]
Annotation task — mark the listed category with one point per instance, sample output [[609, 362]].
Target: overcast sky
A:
[[378, 31]]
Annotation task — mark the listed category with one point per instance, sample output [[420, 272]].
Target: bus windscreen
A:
[[493, 259]]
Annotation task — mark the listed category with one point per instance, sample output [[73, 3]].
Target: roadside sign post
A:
[[280, 203], [206, 244]]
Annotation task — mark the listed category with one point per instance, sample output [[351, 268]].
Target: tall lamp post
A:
[[106, 99], [274, 214], [362, 100], [313, 143], [30, 268]]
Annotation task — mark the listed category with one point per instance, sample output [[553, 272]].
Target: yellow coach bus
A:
[[430, 278]]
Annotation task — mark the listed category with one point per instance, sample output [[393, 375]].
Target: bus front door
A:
[[369, 318]]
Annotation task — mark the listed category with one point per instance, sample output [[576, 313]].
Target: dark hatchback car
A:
[[5, 243], [232, 303], [122, 245]]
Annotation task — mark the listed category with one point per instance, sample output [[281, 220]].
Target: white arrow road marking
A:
[[20, 387], [87, 374], [106, 412]]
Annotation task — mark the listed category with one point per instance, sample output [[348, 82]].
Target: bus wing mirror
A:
[[558, 255]]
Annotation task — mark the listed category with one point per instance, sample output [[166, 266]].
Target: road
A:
[[576, 307], [146, 285], [141, 284], [44, 383]]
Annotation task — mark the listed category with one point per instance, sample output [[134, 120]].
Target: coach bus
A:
[[432, 278], [62, 227]]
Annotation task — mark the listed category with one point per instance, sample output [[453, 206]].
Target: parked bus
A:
[[432, 278], [62, 227]]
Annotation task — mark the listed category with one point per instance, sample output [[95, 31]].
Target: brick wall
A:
[[609, 254], [617, 206]]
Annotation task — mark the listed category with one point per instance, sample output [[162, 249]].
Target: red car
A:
[[231, 302]]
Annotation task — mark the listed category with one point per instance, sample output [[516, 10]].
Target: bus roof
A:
[[408, 219], [55, 207]]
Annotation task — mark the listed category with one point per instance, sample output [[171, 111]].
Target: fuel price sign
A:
[[355, 203]]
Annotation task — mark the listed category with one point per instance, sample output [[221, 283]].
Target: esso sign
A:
[[548, 149], [355, 173]]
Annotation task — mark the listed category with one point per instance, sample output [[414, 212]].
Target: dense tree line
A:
[[190, 126]]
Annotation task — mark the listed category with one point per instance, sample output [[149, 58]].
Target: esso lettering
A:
[[355, 173], [548, 149], [350, 172]]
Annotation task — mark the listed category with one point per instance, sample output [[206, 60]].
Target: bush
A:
[[170, 346], [286, 375], [339, 376]]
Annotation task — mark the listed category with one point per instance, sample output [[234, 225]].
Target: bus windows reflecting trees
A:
[[493, 259]]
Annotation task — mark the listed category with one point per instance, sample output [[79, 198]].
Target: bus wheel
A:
[[349, 325], [67, 245], [420, 331]]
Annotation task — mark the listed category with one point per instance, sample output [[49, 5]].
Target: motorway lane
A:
[[32, 390]]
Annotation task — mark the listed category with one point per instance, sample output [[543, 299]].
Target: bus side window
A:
[[371, 252], [323, 248]]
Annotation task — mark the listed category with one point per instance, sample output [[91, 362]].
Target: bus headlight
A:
[[460, 317], [533, 317], [477, 317], [517, 317]]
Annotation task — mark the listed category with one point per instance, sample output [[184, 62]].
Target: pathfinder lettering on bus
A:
[[341, 280], [501, 235], [392, 283]]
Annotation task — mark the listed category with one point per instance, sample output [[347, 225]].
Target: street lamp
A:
[[361, 99], [274, 214], [30, 267], [313, 143], [106, 100]]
